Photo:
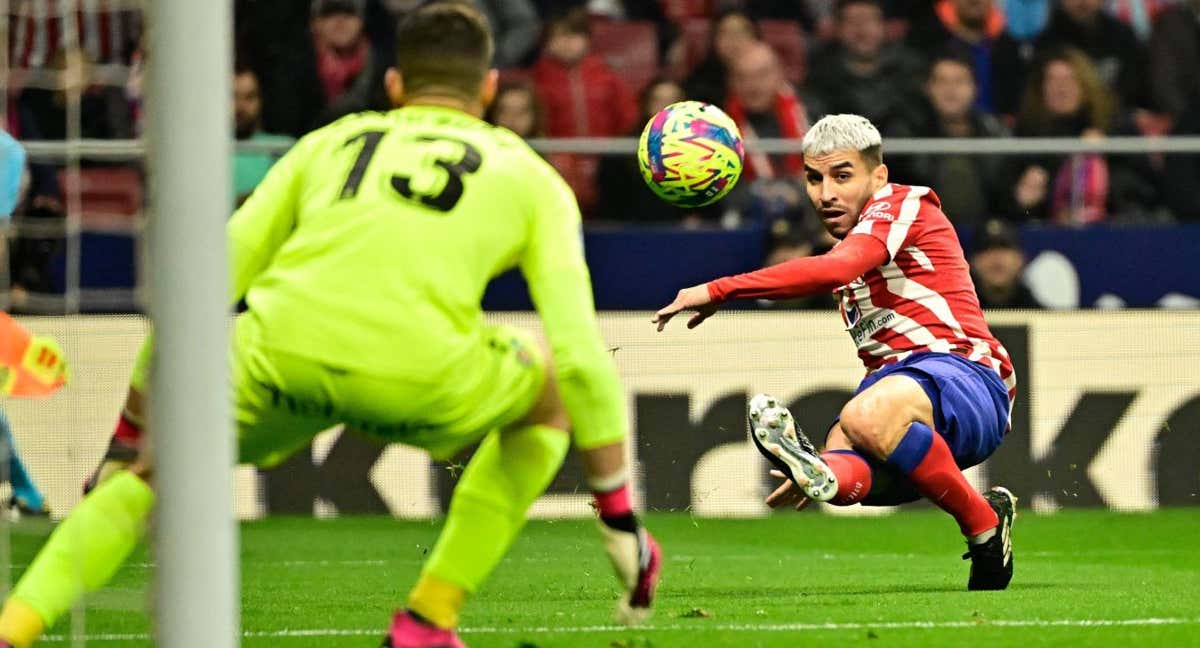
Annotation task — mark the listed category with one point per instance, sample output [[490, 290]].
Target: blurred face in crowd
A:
[[998, 267], [515, 110], [730, 35], [757, 77], [661, 95], [247, 104], [951, 89], [860, 30], [973, 14], [1082, 10], [839, 185], [566, 45], [340, 30], [1061, 90]]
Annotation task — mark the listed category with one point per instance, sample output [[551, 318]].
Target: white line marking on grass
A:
[[716, 627], [280, 563]]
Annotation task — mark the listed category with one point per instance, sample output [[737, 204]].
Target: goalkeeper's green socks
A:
[[81, 555], [508, 472]]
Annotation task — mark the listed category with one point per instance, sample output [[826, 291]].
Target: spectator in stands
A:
[[731, 32], [861, 73], [516, 27], [349, 70], [764, 105], [249, 168], [516, 108], [623, 195], [1065, 98], [969, 185], [997, 263], [974, 30], [583, 97], [1118, 56], [316, 61], [1175, 87]]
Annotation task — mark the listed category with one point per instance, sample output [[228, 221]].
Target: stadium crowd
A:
[[599, 68]]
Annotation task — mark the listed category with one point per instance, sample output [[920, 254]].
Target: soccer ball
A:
[[691, 154]]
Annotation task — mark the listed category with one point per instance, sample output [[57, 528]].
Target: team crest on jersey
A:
[[877, 211], [851, 313]]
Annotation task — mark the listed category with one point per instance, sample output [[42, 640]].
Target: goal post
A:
[[189, 135]]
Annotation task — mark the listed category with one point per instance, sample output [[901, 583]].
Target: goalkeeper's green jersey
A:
[[369, 245]]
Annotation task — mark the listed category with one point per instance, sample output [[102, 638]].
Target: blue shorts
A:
[[970, 411]]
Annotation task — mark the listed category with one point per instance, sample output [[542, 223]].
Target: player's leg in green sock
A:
[[508, 472], [81, 555]]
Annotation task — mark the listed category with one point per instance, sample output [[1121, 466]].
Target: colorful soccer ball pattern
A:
[[691, 154]]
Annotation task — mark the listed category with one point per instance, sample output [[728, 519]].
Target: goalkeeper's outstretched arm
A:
[[557, 274]]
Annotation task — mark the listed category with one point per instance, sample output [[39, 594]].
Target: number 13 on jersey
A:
[[437, 181]]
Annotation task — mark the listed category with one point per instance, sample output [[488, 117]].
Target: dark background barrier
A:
[[634, 268]]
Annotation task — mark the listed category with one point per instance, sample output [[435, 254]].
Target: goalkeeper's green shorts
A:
[[283, 400]]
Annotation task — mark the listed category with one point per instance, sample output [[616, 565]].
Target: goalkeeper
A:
[[363, 258]]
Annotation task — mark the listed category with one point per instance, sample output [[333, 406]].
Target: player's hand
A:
[[690, 299], [788, 494]]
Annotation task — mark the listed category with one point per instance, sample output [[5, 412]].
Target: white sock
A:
[[982, 537], [608, 483]]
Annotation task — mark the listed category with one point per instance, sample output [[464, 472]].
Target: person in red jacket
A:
[[583, 97]]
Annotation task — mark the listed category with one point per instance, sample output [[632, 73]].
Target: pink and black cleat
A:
[[408, 632], [634, 607]]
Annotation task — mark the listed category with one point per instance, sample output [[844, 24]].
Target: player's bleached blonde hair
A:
[[845, 133]]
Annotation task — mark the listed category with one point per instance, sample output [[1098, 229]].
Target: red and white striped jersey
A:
[[922, 298]]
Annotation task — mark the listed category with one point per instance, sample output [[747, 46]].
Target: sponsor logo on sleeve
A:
[[877, 211]]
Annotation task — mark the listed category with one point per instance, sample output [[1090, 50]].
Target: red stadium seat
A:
[[580, 173], [629, 47], [787, 39], [110, 197], [681, 10]]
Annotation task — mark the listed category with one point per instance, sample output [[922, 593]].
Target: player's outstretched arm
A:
[[797, 278]]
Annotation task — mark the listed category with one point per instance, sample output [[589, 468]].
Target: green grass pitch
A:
[[1082, 578]]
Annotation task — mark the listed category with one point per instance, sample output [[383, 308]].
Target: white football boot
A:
[[775, 434]]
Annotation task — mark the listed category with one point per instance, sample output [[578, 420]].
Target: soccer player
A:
[[938, 394], [362, 258], [29, 365]]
